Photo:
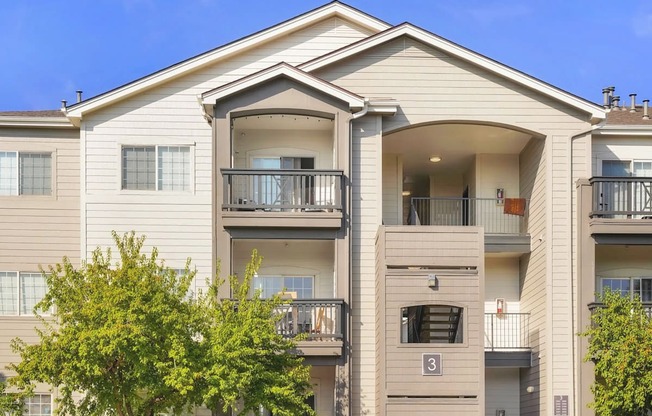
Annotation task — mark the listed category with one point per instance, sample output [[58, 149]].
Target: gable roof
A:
[[335, 8], [286, 70], [406, 29]]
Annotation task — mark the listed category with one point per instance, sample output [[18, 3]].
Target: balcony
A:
[[319, 321], [282, 198], [507, 339], [504, 220], [621, 205]]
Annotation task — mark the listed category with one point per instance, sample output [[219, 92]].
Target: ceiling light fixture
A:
[[435, 158]]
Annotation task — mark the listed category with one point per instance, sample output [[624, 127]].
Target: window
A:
[[162, 168], [20, 292], [38, 405], [271, 285], [431, 324], [272, 189], [630, 286], [23, 173]]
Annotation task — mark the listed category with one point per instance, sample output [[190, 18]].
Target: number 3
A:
[[432, 364]]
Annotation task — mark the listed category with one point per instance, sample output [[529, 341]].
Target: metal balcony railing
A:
[[320, 319], [282, 190], [622, 197], [647, 307], [497, 216], [507, 331]]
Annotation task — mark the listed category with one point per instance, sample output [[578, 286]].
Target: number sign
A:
[[431, 364]]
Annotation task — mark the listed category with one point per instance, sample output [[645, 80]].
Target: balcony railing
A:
[[507, 331], [319, 319], [282, 190], [497, 216], [622, 197], [647, 307]]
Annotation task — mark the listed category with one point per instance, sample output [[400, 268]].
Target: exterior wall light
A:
[[435, 158], [433, 281]]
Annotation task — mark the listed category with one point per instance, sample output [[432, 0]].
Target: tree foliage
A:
[[126, 339], [620, 345]]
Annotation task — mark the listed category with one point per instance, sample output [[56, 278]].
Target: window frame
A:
[[18, 294], [284, 276], [28, 413], [156, 146], [631, 280], [53, 179], [464, 322]]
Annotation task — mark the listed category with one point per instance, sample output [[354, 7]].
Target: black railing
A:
[[622, 197], [497, 216], [507, 331], [282, 190], [647, 307], [317, 318]]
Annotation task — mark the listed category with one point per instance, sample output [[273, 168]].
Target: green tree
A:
[[620, 345], [10, 403], [133, 343], [248, 364]]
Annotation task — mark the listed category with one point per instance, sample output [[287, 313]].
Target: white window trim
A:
[[19, 305], [283, 276], [280, 153], [53, 173], [631, 282], [630, 160], [156, 145], [51, 401]]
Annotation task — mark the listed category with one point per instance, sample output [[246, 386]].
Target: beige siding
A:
[[432, 86], [502, 391], [533, 274], [40, 230], [366, 204], [392, 188], [456, 255], [180, 225]]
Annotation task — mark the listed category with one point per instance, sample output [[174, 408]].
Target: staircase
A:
[[434, 324]]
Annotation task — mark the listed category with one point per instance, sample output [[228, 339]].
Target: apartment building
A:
[[430, 211]]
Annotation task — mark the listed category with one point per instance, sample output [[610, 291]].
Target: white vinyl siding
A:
[[162, 168], [20, 292], [25, 173]]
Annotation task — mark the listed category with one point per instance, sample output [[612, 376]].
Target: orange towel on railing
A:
[[514, 206]]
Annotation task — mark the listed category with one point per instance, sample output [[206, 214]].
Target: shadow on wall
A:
[[530, 388]]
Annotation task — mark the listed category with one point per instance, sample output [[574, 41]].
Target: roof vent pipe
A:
[[615, 100], [611, 91], [79, 96], [646, 115], [63, 104], [606, 98], [632, 108]]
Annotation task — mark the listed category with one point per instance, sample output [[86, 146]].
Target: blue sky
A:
[[49, 49]]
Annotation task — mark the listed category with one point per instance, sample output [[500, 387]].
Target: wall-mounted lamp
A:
[[433, 282], [435, 158], [530, 389], [500, 412], [406, 193]]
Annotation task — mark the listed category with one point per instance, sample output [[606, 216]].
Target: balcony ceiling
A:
[[282, 122], [455, 143]]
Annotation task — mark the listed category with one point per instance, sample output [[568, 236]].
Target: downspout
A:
[[354, 116], [574, 261]]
